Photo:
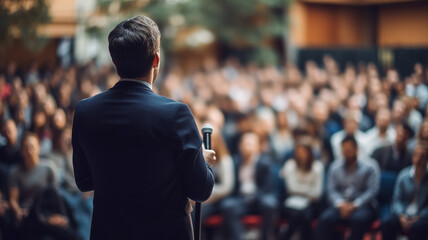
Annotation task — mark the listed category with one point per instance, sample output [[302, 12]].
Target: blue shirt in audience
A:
[[359, 186], [406, 190]]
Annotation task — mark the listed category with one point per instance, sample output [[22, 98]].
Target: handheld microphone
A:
[[206, 130]]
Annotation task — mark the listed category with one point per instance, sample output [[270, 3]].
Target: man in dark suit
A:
[[141, 153]]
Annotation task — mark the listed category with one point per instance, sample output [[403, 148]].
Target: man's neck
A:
[[148, 79], [351, 165], [382, 132], [31, 165], [143, 82]]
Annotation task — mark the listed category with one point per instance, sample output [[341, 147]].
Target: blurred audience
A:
[[280, 105]]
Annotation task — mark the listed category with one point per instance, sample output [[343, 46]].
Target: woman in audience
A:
[[303, 177]]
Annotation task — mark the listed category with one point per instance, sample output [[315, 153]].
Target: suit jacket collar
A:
[[131, 85]]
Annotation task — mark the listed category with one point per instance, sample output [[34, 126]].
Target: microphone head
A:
[[207, 128]]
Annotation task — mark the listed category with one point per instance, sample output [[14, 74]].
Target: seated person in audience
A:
[[49, 218], [352, 186], [396, 156], [80, 203], [303, 177], [382, 134], [410, 200], [350, 124], [9, 154], [224, 175], [27, 182], [29, 178], [253, 193]]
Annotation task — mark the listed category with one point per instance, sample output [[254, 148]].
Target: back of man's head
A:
[[133, 44]]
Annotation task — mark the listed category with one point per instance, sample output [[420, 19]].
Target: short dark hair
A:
[[133, 44], [350, 138]]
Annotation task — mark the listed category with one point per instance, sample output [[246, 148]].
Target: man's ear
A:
[[156, 60]]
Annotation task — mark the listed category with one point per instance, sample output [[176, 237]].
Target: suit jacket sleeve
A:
[[197, 174], [82, 172]]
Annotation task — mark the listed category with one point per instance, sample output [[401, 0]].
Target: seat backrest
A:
[[386, 188]]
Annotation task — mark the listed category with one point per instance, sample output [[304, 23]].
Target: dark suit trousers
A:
[[359, 222]]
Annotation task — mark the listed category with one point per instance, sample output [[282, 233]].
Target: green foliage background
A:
[[243, 26], [24, 21], [235, 22]]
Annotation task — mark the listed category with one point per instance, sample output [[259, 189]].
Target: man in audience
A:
[[352, 186], [396, 156], [26, 183], [410, 200], [402, 111], [28, 178], [253, 192], [350, 125], [382, 134]]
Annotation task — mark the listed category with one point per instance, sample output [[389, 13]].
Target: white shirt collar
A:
[[138, 81]]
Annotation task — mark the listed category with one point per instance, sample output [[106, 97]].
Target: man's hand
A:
[[4, 206], [346, 209], [57, 220], [20, 213], [87, 195], [210, 157], [407, 222]]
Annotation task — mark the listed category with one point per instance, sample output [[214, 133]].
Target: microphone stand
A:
[[207, 129]]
